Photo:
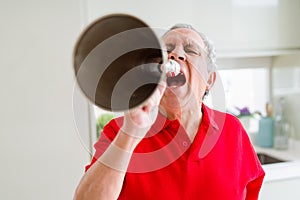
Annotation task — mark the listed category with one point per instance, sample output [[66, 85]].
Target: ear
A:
[[211, 80]]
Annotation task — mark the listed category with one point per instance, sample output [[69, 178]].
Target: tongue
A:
[[174, 84]]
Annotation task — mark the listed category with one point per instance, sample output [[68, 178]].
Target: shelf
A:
[[286, 91], [224, 54]]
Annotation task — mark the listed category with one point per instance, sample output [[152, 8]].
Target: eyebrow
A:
[[170, 46], [191, 44], [188, 43]]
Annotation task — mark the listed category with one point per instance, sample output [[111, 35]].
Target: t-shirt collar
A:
[[207, 119]]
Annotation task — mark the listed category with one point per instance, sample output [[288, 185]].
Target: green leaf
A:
[[102, 121]]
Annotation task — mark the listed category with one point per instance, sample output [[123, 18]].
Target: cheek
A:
[[199, 70], [198, 80], [197, 84]]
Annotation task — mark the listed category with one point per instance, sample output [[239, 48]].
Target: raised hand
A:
[[138, 121]]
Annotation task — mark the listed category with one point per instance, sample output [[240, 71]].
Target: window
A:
[[247, 87]]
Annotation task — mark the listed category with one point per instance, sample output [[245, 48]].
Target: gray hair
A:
[[211, 53]]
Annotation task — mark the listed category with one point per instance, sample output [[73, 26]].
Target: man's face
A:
[[187, 48]]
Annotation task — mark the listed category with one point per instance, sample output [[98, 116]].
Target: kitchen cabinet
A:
[[282, 179], [283, 189], [233, 25]]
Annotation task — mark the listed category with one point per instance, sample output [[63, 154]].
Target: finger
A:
[[155, 98]]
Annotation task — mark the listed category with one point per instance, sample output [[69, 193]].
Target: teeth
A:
[[171, 74]]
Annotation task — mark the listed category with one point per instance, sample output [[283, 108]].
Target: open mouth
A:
[[176, 81]]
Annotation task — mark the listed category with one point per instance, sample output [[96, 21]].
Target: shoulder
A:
[[222, 119], [233, 120]]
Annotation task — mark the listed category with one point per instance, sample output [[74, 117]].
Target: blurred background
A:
[[48, 128]]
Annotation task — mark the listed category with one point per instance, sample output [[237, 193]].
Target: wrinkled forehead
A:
[[184, 35]]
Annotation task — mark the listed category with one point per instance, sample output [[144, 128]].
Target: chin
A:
[[176, 94]]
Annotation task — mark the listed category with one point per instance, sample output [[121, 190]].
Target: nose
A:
[[177, 55]]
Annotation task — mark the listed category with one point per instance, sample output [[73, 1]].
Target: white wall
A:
[[286, 83], [40, 153]]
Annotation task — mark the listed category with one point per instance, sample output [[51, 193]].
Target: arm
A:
[[104, 180], [253, 188]]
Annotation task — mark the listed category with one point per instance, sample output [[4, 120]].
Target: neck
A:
[[188, 115]]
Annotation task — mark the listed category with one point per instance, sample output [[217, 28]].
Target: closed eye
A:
[[170, 47], [188, 51], [192, 51]]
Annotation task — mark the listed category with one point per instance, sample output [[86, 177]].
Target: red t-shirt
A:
[[219, 164]]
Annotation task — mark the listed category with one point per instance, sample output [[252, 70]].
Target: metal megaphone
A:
[[117, 62]]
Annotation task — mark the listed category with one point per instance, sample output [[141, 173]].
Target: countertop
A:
[[284, 170]]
